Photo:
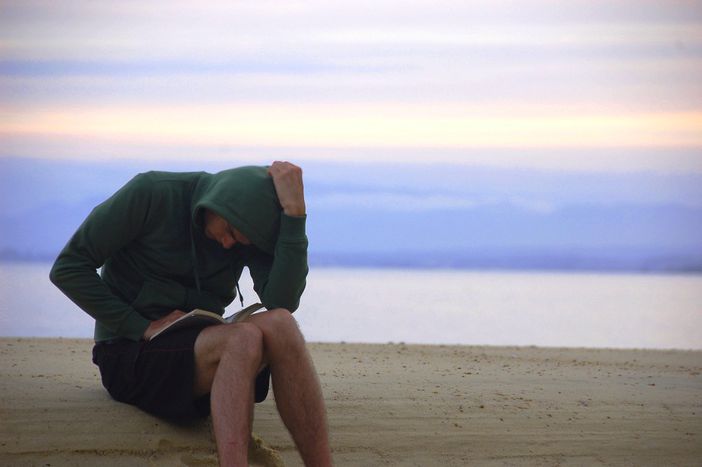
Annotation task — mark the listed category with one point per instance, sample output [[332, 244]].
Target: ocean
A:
[[431, 307]]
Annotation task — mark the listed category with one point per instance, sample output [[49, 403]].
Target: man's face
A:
[[222, 232]]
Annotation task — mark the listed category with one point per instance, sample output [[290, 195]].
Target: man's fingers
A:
[[287, 179], [281, 166], [175, 314], [282, 170], [160, 323]]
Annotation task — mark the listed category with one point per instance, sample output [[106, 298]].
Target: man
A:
[[172, 242]]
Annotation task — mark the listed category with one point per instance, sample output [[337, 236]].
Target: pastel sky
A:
[[575, 85]]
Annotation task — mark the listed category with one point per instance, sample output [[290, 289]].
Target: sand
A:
[[388, 404]]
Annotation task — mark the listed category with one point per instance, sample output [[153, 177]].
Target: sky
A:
[[583, 85]]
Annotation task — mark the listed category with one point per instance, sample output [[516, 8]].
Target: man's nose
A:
[[228, 242]]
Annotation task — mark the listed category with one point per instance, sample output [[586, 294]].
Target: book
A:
[[202, 318]]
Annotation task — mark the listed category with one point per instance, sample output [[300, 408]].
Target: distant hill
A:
[[412, 216]]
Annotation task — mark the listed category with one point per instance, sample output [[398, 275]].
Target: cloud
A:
[[374, 125], [421, 202], [416, 202], [167, 30], [120, 69], [469, 75], [623, 55], [391, 201]]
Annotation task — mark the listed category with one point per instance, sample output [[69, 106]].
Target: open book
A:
[[202, 318]]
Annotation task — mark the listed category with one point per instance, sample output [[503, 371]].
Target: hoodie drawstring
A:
[[238, 290], [193, 253]]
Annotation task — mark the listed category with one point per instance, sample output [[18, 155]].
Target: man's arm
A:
[[280, 280], [108, 228]]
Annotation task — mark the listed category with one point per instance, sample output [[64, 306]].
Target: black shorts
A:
[[158, 376]]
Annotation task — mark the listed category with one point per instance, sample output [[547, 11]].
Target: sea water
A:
[[431, 306]]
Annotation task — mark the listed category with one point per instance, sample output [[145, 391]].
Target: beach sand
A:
[[390, 404]]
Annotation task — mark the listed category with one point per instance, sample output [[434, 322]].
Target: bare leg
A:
[[227, 359], [297, 390]]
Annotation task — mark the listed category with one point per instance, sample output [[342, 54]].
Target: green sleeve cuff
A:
[[133, 326], [292, 228]]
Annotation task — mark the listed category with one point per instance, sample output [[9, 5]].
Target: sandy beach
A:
[[390, 404]]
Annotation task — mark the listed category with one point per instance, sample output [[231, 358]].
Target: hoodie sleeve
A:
[[108, 228], [279, 280]]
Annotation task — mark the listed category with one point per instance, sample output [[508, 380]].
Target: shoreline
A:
[[388, 404], [430, 265]]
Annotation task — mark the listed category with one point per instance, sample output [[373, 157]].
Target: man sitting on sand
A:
[[172, 242]]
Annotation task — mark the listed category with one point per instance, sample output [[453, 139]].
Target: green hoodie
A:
[[150, 242]]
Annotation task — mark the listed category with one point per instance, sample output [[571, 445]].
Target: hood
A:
[[246, 198]]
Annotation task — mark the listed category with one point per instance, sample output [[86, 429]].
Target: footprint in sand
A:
[[198, 460], [262, 455]]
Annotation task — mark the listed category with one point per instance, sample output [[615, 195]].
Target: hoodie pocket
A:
[[158, 298]]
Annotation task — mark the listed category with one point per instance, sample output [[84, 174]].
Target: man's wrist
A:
[[294, 210], [292, 228]]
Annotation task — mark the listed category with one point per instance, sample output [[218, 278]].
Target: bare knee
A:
[[280, 333], [244, 341], [276, 322], [241, 343], [241, 340]]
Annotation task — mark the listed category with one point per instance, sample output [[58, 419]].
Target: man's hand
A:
[[155, 326], [287, 179]]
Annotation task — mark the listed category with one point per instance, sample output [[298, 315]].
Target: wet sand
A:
[[390, 404]]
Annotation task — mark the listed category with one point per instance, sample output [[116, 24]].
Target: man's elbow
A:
[[276, 304], [57, 273], [54, 275]]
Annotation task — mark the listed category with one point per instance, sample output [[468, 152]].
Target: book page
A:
[[196, 318], [244, 313]]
